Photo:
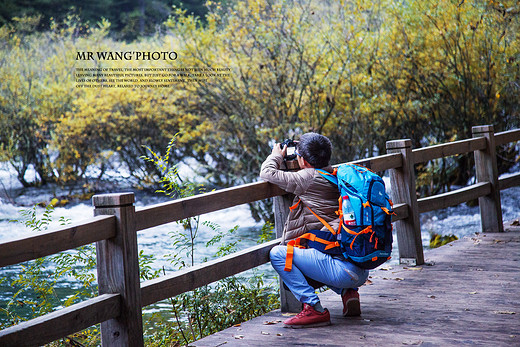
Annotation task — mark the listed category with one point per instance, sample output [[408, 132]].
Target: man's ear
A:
[[306, 164]]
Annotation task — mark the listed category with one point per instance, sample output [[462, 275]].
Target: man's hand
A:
[[279, 151]]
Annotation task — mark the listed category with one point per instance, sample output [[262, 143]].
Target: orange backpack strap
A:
[[295, 205], [290, 253], [323, 221], [367, 230], [297, 243], [289, 256]]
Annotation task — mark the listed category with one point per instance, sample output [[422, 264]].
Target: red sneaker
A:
[[308, 318], [351, 306]]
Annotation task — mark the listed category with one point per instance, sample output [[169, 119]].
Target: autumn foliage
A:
[[359, 72]]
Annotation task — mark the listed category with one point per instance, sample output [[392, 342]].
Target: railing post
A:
[[281, 204], [118, 270], [402, 181], [487, 171]]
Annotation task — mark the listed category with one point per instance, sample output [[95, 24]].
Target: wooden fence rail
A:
[[116, 222]]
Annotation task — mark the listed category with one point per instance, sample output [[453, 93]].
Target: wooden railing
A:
[[116, 222]]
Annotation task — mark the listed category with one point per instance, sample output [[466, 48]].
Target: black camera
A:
[[291, 163]]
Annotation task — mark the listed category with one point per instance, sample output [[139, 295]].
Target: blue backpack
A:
[[365, 237], [365, 210]]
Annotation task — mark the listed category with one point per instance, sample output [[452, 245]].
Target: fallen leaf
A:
[[505, 312], [272, 322], [237, 325], [289, 314], [399, 279], [369, 282], [431, 296], [279, 334], [413, 342], [473, 293], [238, 337], [417, 268], [265, 333]]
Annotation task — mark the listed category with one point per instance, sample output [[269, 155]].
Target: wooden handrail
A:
[[401, 212], [507, 136], [453, 198], [381, 163], [179, 209], [54, 325], [41, 244], [422, 155], [509, 182]]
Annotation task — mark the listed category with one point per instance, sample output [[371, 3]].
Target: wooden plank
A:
[[118, 271], [382, 162], [281, 204], [41, 244], [208, 202], [66, 321], [402, 181], [507, 136], [487, 171], [401, 212], [206, 273], [453, 198], [466, 295], [509, 182], [422, 155]]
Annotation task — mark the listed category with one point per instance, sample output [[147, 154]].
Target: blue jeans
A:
[[335, 273]]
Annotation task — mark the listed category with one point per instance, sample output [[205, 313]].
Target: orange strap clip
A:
[[296, 243], [367, 230]]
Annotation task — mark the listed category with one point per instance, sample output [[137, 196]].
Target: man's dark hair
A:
[[315, 148]]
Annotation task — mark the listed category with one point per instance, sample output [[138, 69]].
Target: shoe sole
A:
[[303, 326], [353, 308]]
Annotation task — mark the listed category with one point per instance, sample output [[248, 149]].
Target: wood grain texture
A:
[[118, 272], [281, 204], [487, 171], [401, 212], [508, 182], [402, 181], [422, 155], [110, 200], [458, 299], [453, 198], [66, 321], [381, 163], [507, 136], [205, 273], [41, 244]]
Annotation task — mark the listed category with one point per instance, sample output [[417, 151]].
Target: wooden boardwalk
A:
[[467, 294]]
